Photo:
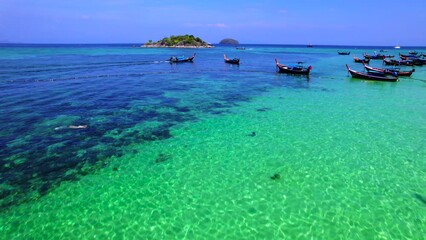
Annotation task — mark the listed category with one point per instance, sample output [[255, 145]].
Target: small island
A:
[[229, 41], [181, 41]]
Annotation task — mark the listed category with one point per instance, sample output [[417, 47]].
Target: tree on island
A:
[[179, 41], [229, 41]]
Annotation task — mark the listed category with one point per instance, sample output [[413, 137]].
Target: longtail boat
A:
[[299, 69], [376, 76], [377, 56], [181, 59], [407, 57], [359, 60], [389, 71], [231, 61], [343, 53], [419, 62], [396, 62], [416, 60]]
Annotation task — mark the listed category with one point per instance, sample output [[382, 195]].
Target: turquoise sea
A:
[[208, 150]]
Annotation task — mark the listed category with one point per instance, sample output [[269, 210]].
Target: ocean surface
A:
[[114, 142]]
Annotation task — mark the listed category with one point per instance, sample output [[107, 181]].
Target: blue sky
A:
[[361, 22]]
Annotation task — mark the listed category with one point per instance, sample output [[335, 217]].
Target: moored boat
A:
[[396, 62], [389, 71], [181, 59], [407, 57], [343, 53], [359, 60], [416, 60], [231, 61], [377, 56], [299, 69], [376, 76]]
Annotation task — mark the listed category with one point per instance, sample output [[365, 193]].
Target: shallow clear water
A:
[[207, 150]]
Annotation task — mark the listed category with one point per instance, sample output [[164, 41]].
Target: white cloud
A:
[[218, 25]]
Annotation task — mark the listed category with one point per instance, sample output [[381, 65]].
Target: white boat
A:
[[397, 46]]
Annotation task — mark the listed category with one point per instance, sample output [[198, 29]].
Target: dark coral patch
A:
[[276, 176], [420, 198], [265, 109], [162, 158]]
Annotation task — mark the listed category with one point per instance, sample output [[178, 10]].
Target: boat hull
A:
[[387, 71], [358, 60], [231, 61], [179, 60], [344, 53], [371, 76], [394, 62], [292, 70]]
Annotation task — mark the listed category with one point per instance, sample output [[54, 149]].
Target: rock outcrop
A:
[[229, 41]]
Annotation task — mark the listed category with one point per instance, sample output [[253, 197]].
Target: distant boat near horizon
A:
[[231, 61], [343, 53], [397, 46]]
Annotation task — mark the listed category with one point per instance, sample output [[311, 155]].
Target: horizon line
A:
[[288, 44]]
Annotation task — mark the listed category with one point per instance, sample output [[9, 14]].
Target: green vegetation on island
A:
[[181, 41], [229, 41]]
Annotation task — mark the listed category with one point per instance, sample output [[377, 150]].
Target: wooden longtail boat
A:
[[389, 71], [377, 56], [299, 69], [371, 76], [408, 56], [419, 61], [231, 61], [359, 60], [396, 62], [343, 53], [416, 60], [181, 59]]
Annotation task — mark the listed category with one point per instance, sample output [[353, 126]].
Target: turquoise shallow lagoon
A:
[[207, 150]]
